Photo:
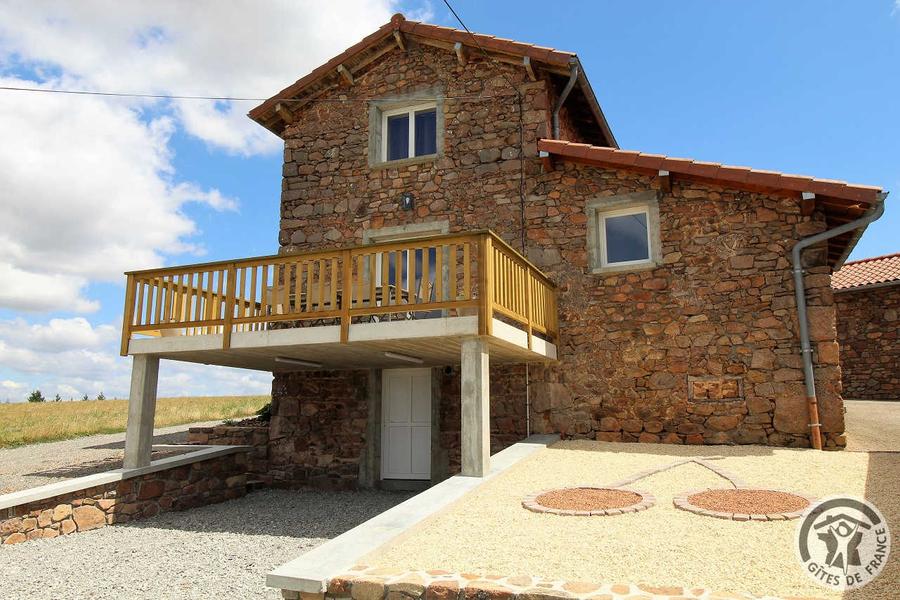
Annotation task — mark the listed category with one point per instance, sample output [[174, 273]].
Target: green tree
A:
[[100, 396], [57, 398], [85, 397], [36, 396]]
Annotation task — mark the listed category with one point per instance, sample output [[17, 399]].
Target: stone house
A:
[[867, 299], [619, 295]]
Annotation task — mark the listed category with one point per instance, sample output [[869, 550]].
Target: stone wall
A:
[[321, 420], [868, 325], [701, 349], [204, 482], [508, 422], [318, 426], [255, 436]]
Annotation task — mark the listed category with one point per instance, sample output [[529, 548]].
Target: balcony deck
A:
[[415, 300]]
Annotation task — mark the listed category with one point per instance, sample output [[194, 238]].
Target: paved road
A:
[[872, 425], [39, 464]]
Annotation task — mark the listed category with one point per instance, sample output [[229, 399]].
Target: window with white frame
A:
[[623, 232], [409, 132], [625, 237]]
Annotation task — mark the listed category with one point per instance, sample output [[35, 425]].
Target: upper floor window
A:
[[623, 232], [409, 132]]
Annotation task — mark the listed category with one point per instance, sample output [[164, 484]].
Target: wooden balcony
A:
[[351, 307]]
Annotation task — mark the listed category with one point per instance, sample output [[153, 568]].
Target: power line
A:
[[126, 94], [216, 98], [522, 223]]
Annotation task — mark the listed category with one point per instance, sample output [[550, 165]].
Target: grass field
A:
[[27, 423]]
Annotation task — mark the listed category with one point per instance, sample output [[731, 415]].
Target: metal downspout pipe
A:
[[815, 428], [573, 77]]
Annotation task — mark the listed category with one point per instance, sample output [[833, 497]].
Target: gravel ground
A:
[[488, 531], [872, 425], [39, 464], [219, 551]]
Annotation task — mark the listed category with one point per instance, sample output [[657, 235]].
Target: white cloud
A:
[[36, 292], [86, 192], [88, 186], [202, 48], [58, 334], [71, 357]]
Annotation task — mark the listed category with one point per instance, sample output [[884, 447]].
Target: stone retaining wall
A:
[[389, 584], [868, 325], [187, 486], [256, 436]]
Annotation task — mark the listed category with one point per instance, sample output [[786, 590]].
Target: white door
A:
[[406, 424]]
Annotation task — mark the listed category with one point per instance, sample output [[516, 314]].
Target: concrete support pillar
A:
[[141, 410], [476, 410]]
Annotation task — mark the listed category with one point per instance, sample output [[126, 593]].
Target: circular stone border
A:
[[647, 500], [681, 500]]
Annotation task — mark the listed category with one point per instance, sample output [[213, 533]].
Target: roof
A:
[[867, 272], [582, 102], [841, 202]]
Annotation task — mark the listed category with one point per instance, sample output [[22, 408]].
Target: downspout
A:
[[573, 77], [815, 428]]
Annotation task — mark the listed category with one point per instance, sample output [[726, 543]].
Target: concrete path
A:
[[38, 464], [872, 425]]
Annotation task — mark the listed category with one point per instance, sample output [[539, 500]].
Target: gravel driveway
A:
[[219, 551], [39, 464]]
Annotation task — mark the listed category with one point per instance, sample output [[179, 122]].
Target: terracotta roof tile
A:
[[868, 271], [724, 173], [540, 54]]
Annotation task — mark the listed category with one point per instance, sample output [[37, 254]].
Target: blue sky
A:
[[802, 87]]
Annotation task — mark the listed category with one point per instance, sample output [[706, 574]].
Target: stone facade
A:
[[701, 349], [868, 325], [255, 436], [321, 421], [188, 486]]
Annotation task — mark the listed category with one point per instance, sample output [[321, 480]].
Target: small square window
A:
[[626, 238], [409, 132], [623, 232]]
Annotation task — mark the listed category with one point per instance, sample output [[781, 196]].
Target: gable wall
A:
[[654, 355]]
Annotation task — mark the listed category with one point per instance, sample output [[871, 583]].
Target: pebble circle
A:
[[645, 501], [686, 501]]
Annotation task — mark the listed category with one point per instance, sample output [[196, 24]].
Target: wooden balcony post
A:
[[485, 284], [346, 294], [128, 317], [229, 306], [528, 315]]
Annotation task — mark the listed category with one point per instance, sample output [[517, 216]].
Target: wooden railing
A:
[[453, 275]]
